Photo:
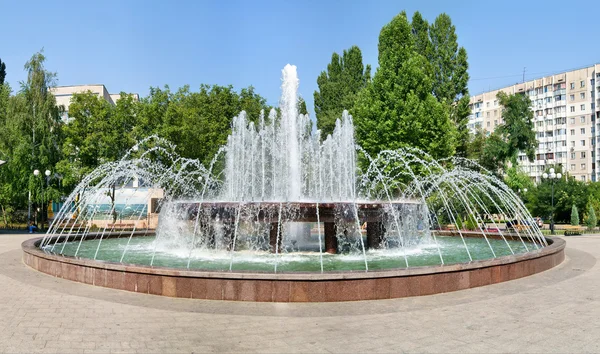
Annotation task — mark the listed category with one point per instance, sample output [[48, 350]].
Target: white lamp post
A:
[[35, 173]]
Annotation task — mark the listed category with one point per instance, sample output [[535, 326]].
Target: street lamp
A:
[[45, 210], [35, 173], [553, 177]]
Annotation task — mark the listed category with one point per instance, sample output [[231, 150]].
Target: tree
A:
[[590, 219], [517, 129], [517, 180], [476, 144], [198, 123], [338, 87], [574, 216], [2, 72], [88, 139], [398, 108], [38, 129], [438, 43], [302, 106]]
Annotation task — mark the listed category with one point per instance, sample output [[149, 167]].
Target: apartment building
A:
[[64, 94], [566, 110]]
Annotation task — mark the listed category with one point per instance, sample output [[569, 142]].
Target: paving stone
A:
[[554, 311]]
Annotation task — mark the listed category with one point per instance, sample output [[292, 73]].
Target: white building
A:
[[566, 110], [64, 94]]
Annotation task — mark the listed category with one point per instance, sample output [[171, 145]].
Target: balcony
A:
[[559, 92]]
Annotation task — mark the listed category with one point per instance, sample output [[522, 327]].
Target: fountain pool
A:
[[284, 214]]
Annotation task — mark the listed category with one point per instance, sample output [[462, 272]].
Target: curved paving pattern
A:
[[553, 311]]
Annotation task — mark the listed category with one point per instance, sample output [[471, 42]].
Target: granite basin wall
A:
[[295, 287]]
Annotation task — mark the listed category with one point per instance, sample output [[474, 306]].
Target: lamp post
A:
[[45, 209], [35, 173], [553, 177]]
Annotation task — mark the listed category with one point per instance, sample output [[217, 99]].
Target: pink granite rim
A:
[[555, 245]]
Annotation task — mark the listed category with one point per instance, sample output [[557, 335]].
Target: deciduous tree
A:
[[398, 108], [338, 87]]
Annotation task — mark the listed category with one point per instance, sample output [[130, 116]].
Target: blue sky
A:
[[132, 45]]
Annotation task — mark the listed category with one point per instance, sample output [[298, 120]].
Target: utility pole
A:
[[524, 74]]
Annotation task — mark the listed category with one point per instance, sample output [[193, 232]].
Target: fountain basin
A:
[[294, 287]]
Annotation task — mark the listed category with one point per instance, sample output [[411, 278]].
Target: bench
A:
[[571, 230], [120, 226]]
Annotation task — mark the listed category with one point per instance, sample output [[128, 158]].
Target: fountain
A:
[[282, 214]]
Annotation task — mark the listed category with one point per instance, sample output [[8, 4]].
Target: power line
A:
[[531, 74]]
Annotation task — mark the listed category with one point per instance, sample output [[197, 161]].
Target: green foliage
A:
[[476, 144], [302, 106], [471, 223], [574, 216], [30, 137], [567, 192], [198, 122], [517, 130], [97, 132], [398, 108], [2, 72], [338, 87], [438, 43], [493, 154], [517, 180], [514, 135], [590, 220]]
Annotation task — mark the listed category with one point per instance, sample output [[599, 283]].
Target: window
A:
[[488, 124], [572, 156], [582, 95], [583, 154], [495, 112], [582, 142], [495, 122], [572, 131], [548, 99], [571, 120], [572, 97], [572, 167], [572, 109], [582, 130], [540, 134], [582, 83], [582, 107], [478, 114], [495, 103], [572, 85], [583, 166], [487, 114], [573, 143], [564, 143], [582, 178], [581, 119]]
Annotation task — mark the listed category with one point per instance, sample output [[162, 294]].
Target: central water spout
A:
[[289, 123]]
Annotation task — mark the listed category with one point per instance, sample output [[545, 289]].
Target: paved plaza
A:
[[554, 311]]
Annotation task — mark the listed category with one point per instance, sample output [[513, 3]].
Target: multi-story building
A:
[[566, 110], [63, 95]]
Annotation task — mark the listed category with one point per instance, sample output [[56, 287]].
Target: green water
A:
[[141, 249]]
